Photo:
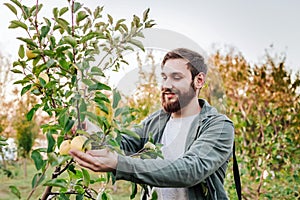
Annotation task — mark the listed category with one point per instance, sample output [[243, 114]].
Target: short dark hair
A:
[[196, 63]]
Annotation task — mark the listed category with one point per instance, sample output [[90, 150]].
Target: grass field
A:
[[121, 191]]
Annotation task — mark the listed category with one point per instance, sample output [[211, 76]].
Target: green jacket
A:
[[201, 169]]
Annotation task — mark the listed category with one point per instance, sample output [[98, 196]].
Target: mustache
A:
[[169, 90]]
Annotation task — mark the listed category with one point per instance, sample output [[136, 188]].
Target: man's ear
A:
[[199, 80]]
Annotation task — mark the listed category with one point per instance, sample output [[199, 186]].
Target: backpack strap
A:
[[236, 175]]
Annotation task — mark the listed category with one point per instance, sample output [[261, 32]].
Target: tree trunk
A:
[[25, 168]]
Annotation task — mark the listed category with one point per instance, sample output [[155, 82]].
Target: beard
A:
[[178, 101]]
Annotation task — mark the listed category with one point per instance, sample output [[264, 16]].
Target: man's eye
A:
[[176, 77], [164, 77]]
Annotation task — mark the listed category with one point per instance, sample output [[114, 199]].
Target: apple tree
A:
[[63, 60]]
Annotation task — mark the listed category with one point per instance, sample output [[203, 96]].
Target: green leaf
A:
[[25, 12], [15, 191], [86, 177], [70, 40], [16, 71], [97, 12], [17, 3], [64, 64], [33, 11], [77, 6], [79, 196], [16, 24], [12, 8], [145, 14], [25, 89], [37, 179], [55, 12], [48, 22], [30, 114], [118, 24], [51, 142], [133, 190], [102, 97], [56, 183], [97, 71], [137, 43], [116, 98], [87, 37], [37, 69], [124, 27], [99, 86], [52, 42], [80, 16], [104, 196], [149, 24], [63, 23], [63, 11], [140, 34], [21, 51], [44, 31], [88, 82], [101, 104], [110, 19], [92, 116], [28, 41], [69, 125], [38, 159], [118, 112]]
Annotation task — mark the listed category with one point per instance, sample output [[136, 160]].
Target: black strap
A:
[[236, 175]]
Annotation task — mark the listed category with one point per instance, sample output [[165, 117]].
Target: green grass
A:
[[121, 191]]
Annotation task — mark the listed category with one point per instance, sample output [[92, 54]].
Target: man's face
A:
[[177, 90]]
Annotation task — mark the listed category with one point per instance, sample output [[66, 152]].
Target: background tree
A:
[[5, 104], [146, 96], [26, 130], [263, 101]]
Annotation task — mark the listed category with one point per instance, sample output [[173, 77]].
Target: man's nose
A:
[[167, 83]]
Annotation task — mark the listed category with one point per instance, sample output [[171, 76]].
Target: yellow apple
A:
[[44, 76], [30, 54], [65, 147], [78, 143], [149, 145]]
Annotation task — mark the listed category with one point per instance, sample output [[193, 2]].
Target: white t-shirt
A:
[[173, 140]]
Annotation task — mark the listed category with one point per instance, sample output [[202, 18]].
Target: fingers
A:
[[98, 153], [82, 159], [97, 160]]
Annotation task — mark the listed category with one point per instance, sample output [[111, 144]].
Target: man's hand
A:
[[102, 160]]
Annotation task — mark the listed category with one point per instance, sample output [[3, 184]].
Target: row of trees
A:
[[263, 100]]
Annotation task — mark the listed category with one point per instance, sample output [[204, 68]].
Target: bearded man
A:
[[197, 140]]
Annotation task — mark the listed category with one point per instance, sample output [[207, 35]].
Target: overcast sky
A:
[[250, 26]]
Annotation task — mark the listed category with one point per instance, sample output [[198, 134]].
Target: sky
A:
[[249, 26]]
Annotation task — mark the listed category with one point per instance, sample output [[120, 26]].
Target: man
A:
[[197, 140]]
